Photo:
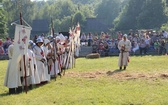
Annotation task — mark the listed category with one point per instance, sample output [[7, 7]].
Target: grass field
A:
[[99, 82]]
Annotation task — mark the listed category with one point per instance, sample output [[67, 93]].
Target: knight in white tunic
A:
[[47, 52], [40, 60], [32, 66], [55, 69], [13, 74], [124, 46]]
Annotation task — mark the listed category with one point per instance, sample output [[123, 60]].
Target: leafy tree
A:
[[3, 22], [65, 24], [65, 7], [79, 17], [57, 25], [86, 10], [14, 7], [139, 14], [153, 15], [108, 10], [128, 16]]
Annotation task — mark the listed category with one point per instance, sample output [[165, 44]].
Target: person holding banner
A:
[[17, 53], [124, 46]]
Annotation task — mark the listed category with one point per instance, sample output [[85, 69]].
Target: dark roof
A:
[[96, 25], [40, 25]]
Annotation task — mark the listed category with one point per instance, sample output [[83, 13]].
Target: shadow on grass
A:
[[4, 94], [109, 73]]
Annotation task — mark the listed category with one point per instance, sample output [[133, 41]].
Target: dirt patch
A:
[[164, 75], [130, 76], [121, 75], [86, 74]]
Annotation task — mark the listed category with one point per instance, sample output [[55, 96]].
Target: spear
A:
[[21, 23], [54, 47]]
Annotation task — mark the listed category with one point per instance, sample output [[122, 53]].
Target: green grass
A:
[[75, 88]]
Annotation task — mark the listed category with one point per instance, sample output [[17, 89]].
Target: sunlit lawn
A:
[[99, 82]]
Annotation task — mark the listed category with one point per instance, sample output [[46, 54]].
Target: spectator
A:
[[90, 39], [6, 45], [102, 36], [101, 48], [136, 38], [95, 37], [83, 39], [142, 47], [165, 34], [112, 46], [148, 42], [166, 46], [119, 34], [162, 49], [156, 46], [1, 47], [94, 47], [106, 48], [135, 47]]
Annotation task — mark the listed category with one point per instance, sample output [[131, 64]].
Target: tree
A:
[[65, 24], [128, 16], [86, 10], [139, 14], [65, 7], [153, 15], [3, 23], [79, 17], [108, 10], [13, 9]]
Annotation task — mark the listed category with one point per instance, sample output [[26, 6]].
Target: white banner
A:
[[22, 36]]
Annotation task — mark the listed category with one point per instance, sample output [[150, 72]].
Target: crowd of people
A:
[[46, 57], [4, 46], [142, 42]]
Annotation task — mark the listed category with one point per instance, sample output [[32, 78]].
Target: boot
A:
[[120, 68], [124, 67], [30, 87], [19, 90], [12, 91], [60, 75]]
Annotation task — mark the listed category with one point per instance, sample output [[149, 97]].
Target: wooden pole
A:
[[54, 47], [21, 23]]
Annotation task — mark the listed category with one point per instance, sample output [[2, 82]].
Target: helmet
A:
[[46, 41], [39, 40]]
